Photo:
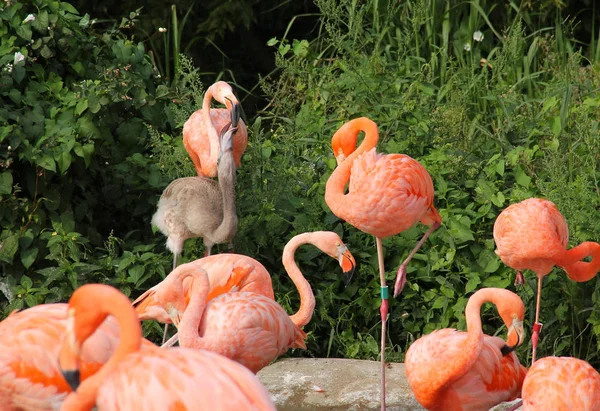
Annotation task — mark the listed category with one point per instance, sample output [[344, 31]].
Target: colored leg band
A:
[[385, 293]]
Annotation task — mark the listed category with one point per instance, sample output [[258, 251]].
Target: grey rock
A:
[[337, 384]]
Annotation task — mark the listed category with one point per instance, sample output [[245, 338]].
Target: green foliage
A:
[[73, 154], [90, 135], [494, 123]]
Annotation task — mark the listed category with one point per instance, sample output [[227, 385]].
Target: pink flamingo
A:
[[152, 379], [450, 370], [561, 384], [201, 130], [29, 375], [387, 194], [246, 327], [533, 235], [234, 272]]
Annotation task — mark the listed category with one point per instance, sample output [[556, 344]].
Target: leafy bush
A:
[[496, 122], [73, 147]]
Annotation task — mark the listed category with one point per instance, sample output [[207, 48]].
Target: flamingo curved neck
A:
[[334, 189], [130, 332], [213, 137], [471, 349], [192, 316], [578, 270], [228, 226], [307, 298]]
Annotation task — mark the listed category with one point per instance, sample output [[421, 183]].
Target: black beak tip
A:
[[235, 114], [348, 276], [507, 349], [72, 377]]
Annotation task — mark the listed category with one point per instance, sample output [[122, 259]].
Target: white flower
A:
[[19, 57], [478, 36], [467, 47], [29, 18], [162, 29]]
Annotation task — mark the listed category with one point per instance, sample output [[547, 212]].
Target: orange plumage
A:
[[29, 375], [201, 131], [152, 379], [561, 384], [450, 370], [533, 235]]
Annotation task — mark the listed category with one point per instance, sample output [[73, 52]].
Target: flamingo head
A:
[[332, 245], [223, 93], [174, 292], [512, 311], [343, 144]]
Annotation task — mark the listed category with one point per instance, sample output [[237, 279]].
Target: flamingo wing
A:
[[491, 379], [528, 234], [382, 186], [248, 328], [561, 384], [182, 379], [29, 374]]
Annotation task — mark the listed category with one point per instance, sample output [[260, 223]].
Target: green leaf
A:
[[64, 161], [9, 247], [85, 21], [283, 49], [69, 8], [162, 91], [26, 282], [300, 48], [522, 178], [30, 300], [6, 182], [28, 256], [81, 106], [272, 41], [555, 125], [24, 31], [500, 167], [472, 284], [47, 162], [440, 302], [41, 22], [47, 52]]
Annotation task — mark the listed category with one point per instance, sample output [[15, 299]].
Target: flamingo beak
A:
[[68, 363], [236, 112], [347, 262], [514, 338]]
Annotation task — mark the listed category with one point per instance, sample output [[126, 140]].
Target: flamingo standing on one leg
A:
[[201, 130], [450, 370], [227, 272], [561, 384], [152, 379], [387, 194], [533, 235]]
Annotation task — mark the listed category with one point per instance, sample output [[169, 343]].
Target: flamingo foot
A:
[[535, 335], [400, 280], [519, 280]]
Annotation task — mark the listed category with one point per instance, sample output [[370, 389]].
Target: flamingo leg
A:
[[167, 325], [383, 310], [171, 341], [515, 406], [537, 327], [402, 270]]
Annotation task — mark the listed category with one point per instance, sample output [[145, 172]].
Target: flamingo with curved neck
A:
[[451, 370], [201, 130], [533, 235], [235, 272], [387, 194], [138, 380], [246, 327]]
